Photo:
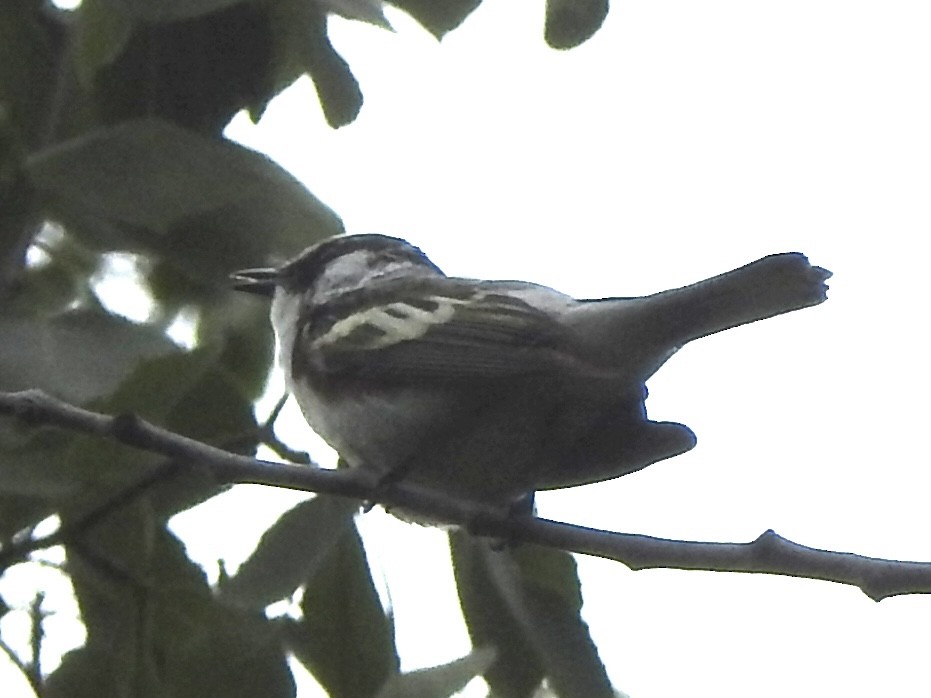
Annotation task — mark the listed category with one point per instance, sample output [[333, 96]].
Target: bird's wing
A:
[[432, 329]]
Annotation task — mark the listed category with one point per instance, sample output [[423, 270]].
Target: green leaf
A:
[[238, 328], [439, 681], [290, 552], [31, 42], [77, 356], [29, 464], [18, 512], [518, 669], [541, 587], [87, 672], [116, 568], [48, 290], [34, 475], [302, 45], [210, 207], [571, 22], [539, 590], [154, 628], [195, 71], [100, 34], [187, 394], [169, 10], [438, 16], [233, 653], [345, 638], [20, 213]]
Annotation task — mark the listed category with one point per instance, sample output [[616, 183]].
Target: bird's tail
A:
[[646, 331]]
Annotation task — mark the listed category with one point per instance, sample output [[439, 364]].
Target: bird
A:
[[490, 390]]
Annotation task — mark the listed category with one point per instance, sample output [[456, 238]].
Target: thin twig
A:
[[768, 554], [36, 635]]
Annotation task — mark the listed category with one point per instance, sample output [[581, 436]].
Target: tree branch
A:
[[23, 668], [768, 554]]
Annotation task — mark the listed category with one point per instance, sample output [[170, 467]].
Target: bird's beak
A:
[[259, 281]]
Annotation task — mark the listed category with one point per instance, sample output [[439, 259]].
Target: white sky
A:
[[686, 138]]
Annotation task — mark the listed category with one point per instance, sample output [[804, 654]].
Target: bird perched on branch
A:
[[490, 390]]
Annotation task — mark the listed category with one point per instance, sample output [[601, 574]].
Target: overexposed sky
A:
[[685, 139]]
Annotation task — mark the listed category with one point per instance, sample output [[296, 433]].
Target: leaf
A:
[[34, 476], [100, 34], [87, 672], [234, 654], [18, 512], [439, 681], [168, 191], [518, 669], [541, 587], [539, 591], [371, 11], [116, 568], [238, 328], [290, 552], [187, 394], [28, 460], [438, 16], [168, 10], [345, 638], [572, 22], [31, 41], [77, 356], [303, 46], [154, 628], [196, 71]]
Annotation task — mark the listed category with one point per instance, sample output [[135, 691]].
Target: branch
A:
[[768, 554], [23, 668]]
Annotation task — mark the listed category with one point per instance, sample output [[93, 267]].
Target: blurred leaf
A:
[[112, 569], [290, 552], [248, 343], [571, 22], [31, 43], [196, 71], [20, 215], [345, 639], [100, 34], [551, 572], [47, 290], [27, 462], [439, 681], [438, 16], [210, 409], [539, 590], [169, 10], [541, 587], [91, 671], [371, 11], [518, 670], [154, 629], [302, 46], [208, 206], [34, 475], [185, 393], [77, 356], [231, 653], [19, 512]]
